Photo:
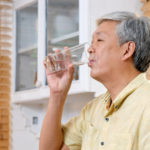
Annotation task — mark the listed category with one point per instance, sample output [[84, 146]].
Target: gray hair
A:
[[133, 28]]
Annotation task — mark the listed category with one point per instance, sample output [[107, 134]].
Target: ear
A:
[[128, 50]]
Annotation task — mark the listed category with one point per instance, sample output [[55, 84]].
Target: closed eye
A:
[[99, 40]]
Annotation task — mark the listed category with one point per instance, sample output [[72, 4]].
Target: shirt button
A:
[[116, 107], [107, 119], [102, 143]]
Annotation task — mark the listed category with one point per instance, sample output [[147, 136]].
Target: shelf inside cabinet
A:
[[28, 49], [63, 38]]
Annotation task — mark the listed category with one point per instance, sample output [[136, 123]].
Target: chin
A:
[[97, 75], [94, 75]]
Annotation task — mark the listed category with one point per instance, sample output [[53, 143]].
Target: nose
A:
[[90, 49]]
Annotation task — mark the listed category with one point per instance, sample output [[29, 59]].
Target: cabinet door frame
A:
[[19, 4]]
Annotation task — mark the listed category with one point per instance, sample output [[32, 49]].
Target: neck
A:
[[117, 82]]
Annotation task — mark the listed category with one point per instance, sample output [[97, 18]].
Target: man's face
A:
[[104, 51]]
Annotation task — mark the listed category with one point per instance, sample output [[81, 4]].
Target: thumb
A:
[[71, 69]]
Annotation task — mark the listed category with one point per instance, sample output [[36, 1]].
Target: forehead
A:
[[106, 29]]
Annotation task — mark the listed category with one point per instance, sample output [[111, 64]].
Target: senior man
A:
[[120, 118]]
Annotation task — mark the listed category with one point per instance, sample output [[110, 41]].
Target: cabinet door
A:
[[63, 26], [26, 46]]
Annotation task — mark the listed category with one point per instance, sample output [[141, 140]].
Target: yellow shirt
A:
[[124, 126]]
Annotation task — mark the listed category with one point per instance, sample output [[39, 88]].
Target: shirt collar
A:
[[130, 88]]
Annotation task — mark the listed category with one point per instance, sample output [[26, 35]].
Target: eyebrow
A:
[[101, 33]]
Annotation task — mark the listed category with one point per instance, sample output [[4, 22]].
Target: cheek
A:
[[101, 51], [112, 51], [107, 56], [103, 55]]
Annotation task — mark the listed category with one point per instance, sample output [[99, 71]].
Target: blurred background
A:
[[29, 30]]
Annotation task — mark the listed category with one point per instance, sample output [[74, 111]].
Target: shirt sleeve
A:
[[73, 131]]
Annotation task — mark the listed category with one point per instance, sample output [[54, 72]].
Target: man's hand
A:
[[60, 81]]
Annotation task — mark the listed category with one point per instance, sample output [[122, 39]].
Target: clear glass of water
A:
[[58, 61]]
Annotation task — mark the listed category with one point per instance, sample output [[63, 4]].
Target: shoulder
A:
[[145, 89], [145, 102], [143, 93]]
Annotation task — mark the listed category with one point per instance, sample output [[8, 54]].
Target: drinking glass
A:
[[59, 61]]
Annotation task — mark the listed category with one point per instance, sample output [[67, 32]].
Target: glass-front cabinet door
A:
[[42, 26], [63, 26], [26, 47]]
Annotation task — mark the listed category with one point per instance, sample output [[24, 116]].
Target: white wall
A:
[[101, 7], [24, 132]]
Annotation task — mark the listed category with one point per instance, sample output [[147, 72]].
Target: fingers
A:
[[58, 61], [45, 62], [51, 62]]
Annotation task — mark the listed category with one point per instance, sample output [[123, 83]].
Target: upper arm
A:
[[72, 133], [74, 130]]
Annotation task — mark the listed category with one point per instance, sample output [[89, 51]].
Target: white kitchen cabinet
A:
[[42, 26]]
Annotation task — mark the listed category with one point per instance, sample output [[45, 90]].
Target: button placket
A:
[[104, 132]]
